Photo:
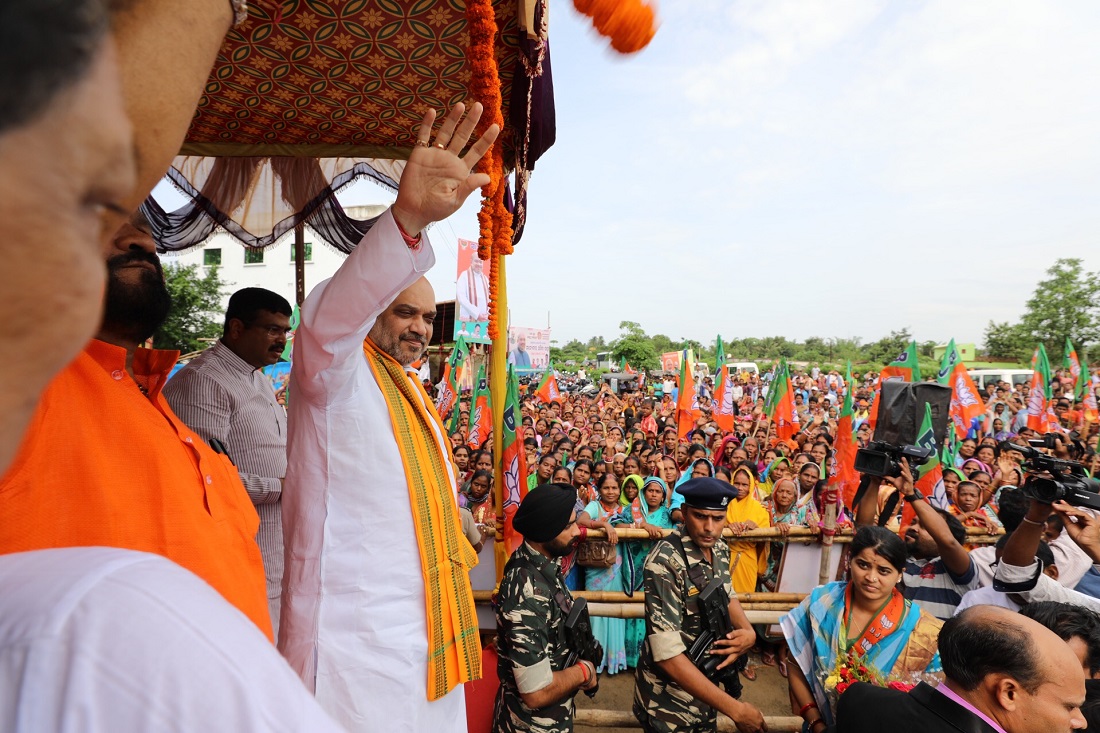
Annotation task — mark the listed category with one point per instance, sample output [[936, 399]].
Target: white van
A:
[[988, 378], [743, 366]]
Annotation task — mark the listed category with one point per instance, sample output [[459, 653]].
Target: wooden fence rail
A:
[[595, 718]]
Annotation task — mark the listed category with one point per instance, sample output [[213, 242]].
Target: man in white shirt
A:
[[361, 574], [473, 293]]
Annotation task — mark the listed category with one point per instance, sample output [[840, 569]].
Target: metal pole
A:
[[299, 263]]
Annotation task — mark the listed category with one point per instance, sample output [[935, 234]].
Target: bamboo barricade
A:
[[593, 718], [975, 536], [613, 596]]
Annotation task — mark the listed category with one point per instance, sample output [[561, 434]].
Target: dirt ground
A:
[[768, 692]]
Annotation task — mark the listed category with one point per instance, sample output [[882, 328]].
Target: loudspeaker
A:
[[901, 411]]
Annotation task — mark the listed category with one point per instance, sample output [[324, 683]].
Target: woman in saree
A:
[[778, 469], [476, 495], [638, 511], [784, 512], [748, 560], [603, 514], [697, 468], [862, 621], [724, 455]]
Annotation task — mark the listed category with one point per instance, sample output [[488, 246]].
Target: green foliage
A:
[[1007, 341], [1065, 305], [196, 311], [886, 349], [634, 346]]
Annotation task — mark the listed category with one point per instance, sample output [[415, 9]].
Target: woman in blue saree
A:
[[647, 511], [863, 621]]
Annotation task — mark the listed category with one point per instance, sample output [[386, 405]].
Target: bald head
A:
[[404, 329], [1013, 669], [984, 640]]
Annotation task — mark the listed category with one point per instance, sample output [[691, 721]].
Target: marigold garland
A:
[[494, 219], [630, 24]]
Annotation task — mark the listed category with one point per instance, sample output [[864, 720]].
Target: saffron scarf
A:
[[886, 621], [454, 651]]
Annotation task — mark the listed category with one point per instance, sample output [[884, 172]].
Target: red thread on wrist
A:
[[584, 673], [410, 241]]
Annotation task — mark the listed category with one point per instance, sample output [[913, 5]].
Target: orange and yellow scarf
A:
[[454, 651], [886, 621]]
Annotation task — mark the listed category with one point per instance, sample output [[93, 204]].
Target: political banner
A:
[[528, 349], [471, 295]]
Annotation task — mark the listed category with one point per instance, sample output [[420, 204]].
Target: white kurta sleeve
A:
[[100, 639], [340, 311], [1032, 585]]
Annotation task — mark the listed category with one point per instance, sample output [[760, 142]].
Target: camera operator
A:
[[1020, 573], [939, 571]]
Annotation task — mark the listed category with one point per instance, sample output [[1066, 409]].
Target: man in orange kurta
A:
[[106, 462]]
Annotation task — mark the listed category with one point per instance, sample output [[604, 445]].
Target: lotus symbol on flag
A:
[[511, 483], [446, 400], [727, 396], [554, 391], [963, 394], [1035, 402]]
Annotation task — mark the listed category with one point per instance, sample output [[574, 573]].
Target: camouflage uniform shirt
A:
[[672, 622], [531, 643]]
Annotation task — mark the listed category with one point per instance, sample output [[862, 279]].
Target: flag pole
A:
[[498, 391]]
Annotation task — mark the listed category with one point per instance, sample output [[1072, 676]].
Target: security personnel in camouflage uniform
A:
[[536, 688], [671, 693]]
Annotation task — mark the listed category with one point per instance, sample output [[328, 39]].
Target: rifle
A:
[[578, 634], [714, 611]]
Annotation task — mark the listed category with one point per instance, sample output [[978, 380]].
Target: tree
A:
[[1065, 305], [196, 311], [1006, 341], [887, 349], [634, 346]]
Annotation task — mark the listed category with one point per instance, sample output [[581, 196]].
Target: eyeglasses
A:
[[273, 331]]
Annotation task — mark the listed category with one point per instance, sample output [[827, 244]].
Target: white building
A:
[[271, 268]]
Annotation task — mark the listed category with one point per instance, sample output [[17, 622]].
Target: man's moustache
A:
[[129, 258]]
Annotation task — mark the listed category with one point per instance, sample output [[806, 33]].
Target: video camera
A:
[[884, 460], [901, 411], [1064, 480]]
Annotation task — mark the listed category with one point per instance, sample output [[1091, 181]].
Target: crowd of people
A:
[[625, 455]]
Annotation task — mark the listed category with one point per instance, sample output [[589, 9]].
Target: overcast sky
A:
[[801, 168]]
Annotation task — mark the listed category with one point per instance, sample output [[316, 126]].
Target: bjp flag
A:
[[722, 406]]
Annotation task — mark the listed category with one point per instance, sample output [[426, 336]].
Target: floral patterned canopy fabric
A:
[[341, 80]]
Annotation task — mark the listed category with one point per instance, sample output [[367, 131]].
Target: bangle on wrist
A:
[[1033, 522], [808, 706], [584, 673]]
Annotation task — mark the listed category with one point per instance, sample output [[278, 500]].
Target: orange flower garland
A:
[[494, 219], [630, 24]]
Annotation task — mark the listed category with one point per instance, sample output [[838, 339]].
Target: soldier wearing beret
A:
[[671, 693], [536, 688]]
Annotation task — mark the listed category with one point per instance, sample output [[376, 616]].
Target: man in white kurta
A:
[[353, 614]]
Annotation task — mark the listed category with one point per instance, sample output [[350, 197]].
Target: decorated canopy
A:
[[307, 96]]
